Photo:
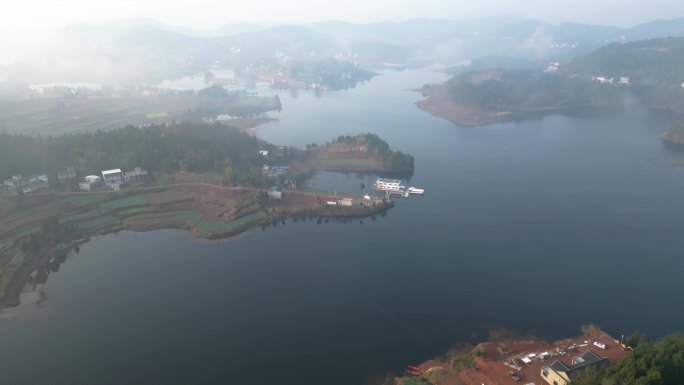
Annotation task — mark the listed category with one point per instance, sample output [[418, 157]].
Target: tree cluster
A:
[[651, 363], [179, 147], [397, 160], [524, 90]]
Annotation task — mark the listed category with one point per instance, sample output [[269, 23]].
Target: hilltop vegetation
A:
[[359, 153], [651, 363], [525, 90]]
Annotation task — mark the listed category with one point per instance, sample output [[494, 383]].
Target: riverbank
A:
[[511, 361], [55, 223]]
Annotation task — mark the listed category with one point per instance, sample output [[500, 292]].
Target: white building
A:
[[346, 202], [275, 193], [112, 177], [387, 184]]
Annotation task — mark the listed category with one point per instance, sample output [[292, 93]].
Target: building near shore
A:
[[275, 192], [559, 373], [275, 171], [387, 184], [115, 177], [136, 174], [25, 183], [112, 177], [90, 182], [66, 175]]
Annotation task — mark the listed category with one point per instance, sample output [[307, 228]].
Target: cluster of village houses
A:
[[624, 80], [110, 178]]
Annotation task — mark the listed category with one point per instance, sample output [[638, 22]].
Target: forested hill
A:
[[654, 67]]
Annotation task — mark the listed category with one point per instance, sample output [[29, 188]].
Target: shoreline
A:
[[205, 211], [511, 361], [438, 103]]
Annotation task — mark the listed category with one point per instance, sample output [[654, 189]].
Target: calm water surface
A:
[[538, 227]]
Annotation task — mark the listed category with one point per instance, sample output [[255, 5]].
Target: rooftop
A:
[[386, 180], [114, 171]]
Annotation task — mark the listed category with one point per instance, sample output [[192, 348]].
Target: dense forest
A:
[[186, 147], [522, 90], [651, 363]]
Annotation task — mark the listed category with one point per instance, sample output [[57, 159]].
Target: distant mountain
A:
[[655, 29], [137, 48], [237, 28], [414, 41], [153, 37], [91, 34]]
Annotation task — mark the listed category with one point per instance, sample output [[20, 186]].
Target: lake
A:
[[536, 227]]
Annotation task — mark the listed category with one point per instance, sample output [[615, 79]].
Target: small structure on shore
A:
[[275, 192]]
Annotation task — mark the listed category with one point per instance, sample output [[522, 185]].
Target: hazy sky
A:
[[32, 14]]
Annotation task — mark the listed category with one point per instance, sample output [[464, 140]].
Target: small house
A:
[[66, 175], [112, 177], [560, 373], [275, 193], [137, 174]]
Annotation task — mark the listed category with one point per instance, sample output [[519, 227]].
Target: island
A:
[[212, 180]]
